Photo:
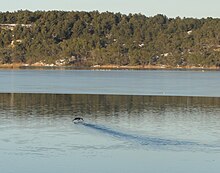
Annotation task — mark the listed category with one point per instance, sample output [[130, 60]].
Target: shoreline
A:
[[107, 67]]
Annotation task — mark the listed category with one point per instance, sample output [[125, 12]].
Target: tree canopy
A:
[[94, 38]]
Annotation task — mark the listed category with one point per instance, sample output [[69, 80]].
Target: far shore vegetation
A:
[[107, 40]]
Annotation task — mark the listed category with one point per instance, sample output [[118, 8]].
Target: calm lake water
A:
[[122, 82], [130, 132]]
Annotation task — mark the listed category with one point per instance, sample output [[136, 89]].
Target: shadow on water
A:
[[155, 142]]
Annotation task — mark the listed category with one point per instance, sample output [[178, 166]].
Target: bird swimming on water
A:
[[78, 120]]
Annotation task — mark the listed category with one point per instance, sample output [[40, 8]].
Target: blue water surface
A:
[[120, 82]]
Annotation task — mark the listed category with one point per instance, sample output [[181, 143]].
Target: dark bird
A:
[[78, 120]]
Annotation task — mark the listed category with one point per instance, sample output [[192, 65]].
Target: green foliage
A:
[[93, 38]]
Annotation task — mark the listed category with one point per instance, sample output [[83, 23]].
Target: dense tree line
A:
[[93, 38]]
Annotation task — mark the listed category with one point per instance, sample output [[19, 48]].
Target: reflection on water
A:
[[107, 104], [37, 129]]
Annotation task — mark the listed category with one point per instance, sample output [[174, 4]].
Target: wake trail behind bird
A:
[[155, 142], [143, 140]]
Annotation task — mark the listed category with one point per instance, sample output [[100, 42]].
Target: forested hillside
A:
[[93, 38]]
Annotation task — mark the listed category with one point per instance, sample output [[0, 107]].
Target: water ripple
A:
[[155, 142]]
